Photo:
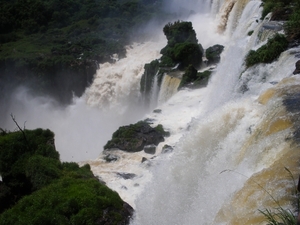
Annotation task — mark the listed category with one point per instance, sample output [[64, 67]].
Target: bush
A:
[[179, 32], [189, 76], [187, 54], [268, 52], [38, 189], [67, 201], [292, 27]]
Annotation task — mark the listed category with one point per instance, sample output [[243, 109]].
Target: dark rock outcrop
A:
[[167, 149], [111, 158], [213, 54], [181, 51], [126, 176], [297, 70], [135, 137], [150, 149]]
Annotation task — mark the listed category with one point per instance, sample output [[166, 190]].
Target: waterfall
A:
[[168, 88], [237, 153], [116, 85], [154, 92], [234, 142]]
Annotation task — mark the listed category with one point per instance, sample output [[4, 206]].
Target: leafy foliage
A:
[[182, 47], [38, 189], [135, 137], [281, 215], [268, 52], [288, 10], [180, 32], [67, 201], [194, 79], [58, 44]]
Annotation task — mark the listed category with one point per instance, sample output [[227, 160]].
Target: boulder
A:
[[167, 149], [150, 149], [297, 70], [135, 137], [213, 54], [111, 158], [127, 176]]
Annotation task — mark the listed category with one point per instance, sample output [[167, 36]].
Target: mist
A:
[[112, 100], [83, 127], [80, 130]]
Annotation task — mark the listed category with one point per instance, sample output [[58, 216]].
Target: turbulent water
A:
[[238, 153], [234, 142]]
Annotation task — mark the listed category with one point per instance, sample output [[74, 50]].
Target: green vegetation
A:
[[268, 52], [58, 44], [250, 32], [182, 47], [38, 189], [159, 128], [288, 10], [151, 70], [282, 215], [67, 201], [181, 52], [194, 79], [135, 137]]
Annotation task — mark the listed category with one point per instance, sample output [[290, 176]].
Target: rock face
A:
[[181, 51], [297, 70], [135, 137], [150, 149], [213, 54]]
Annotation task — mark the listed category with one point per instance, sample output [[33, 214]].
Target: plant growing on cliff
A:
[[36, 188], [135, 137], [182, 47], [67, 201], [281, 215], [285, 10], [268, 52]]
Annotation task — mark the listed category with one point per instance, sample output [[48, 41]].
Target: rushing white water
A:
[[232, 140], [83, 128], [229, 161], [118, 85]]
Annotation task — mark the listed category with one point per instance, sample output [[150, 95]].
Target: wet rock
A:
[[135, 137], [157, 110], [127, 176], [144, 159], [273, 25], [213, 54], [111, 158], [146, 162], [297, 70], [150, 149], [167, 149]]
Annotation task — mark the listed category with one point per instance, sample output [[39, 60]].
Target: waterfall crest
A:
[[118, 84]]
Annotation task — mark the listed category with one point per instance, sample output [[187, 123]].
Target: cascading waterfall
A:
[[232, 140], [168, 88], [116, 84], [154, 92], [239, 152]]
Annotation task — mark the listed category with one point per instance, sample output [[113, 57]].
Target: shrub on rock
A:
[[37, 188], [268, 52], [134, 137]]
